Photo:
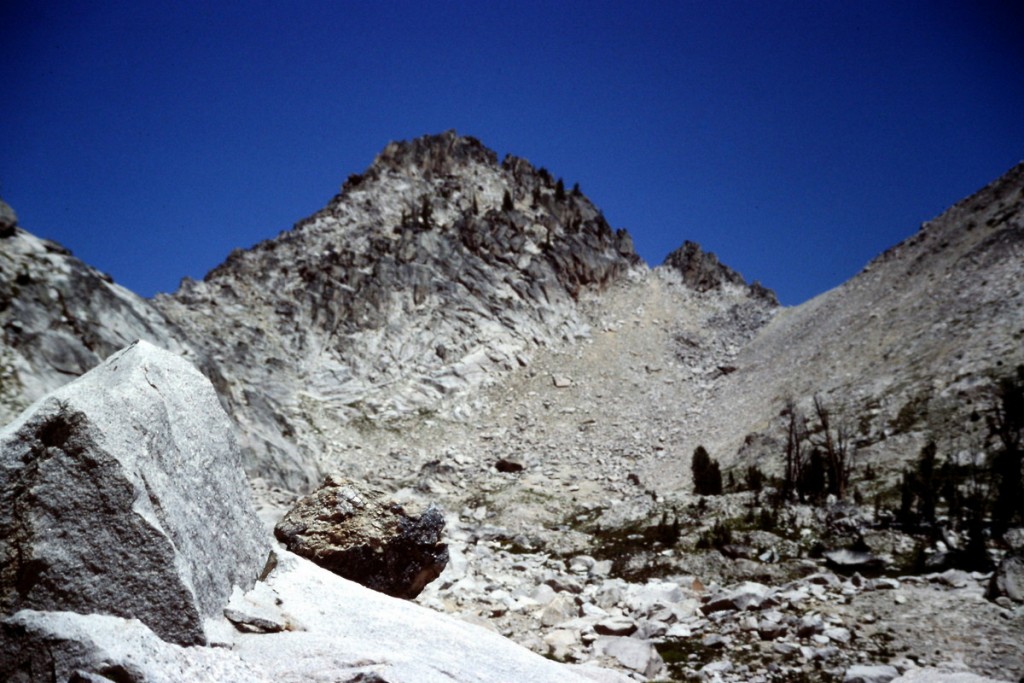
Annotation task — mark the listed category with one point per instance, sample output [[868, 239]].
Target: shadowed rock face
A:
[[357, 533], [122, 493]]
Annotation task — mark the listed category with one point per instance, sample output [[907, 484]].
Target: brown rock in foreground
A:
[[357, 533]]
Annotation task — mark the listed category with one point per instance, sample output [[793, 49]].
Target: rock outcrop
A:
[[1008, 579], [357, 533], [122, 493], [350, 631], [126, 525], [468, 332], [703, 272], [60, 317]]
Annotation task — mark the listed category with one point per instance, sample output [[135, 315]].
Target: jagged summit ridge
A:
[[432, 273], [703, 272]]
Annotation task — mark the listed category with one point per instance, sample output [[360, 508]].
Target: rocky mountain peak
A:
[[434, 272], [433, 154], [703, 272]]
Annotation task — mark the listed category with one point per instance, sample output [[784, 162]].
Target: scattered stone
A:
[[953, 578], [838, 634], [509, 466], [561, 642], [616, 626], [638, 655], [561, 609], [853, 560], [882, 583], [771, 631], [716, 668], [543, 594], [932, 675], [715, 641], [359, 534], [257, 611], [809, 626], [870, 673], [747, 596], [561, 381]]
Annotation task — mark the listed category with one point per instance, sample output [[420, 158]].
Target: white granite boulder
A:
[[122, 493]]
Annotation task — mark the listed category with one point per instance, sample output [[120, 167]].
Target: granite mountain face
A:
[[440, 272], [436, 271], [472, 333]]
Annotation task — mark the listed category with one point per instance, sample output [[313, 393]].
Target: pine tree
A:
[[926, 483], [707, 476], [1006, 425]]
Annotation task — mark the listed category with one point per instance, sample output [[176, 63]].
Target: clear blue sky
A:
[[796, 140]]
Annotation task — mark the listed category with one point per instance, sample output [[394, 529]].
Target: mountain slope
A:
[[436, 271], [904, 351]]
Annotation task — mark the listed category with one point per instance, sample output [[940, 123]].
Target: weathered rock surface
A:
[[338, 632], [60, 317], [904, 350], [43, 647], [1008, 579], [357, 533], [421, 329], [122, 493], [870, 673]]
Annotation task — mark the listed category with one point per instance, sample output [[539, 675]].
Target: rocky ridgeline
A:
[[436, 271], [703, 272], [60, 317]]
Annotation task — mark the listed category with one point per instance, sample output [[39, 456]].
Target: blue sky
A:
[[797, 140]]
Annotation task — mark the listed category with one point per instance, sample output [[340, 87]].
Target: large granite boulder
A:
[[122, 493], [358, 533]]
